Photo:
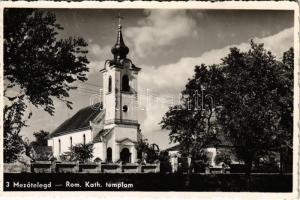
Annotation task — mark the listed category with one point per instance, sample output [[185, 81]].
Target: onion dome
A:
[[119, 50]]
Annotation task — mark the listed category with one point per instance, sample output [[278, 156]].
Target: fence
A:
[[78, 167]]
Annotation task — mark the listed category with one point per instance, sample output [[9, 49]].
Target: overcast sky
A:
[[166, 44]]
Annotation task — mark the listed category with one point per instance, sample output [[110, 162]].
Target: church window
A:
[[109, 154], [84, 139], [125, 108], [71, 142], [125, 83], [109, 84], [59, 146]]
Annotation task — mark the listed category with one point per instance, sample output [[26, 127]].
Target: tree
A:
[[190, 123], [41, 138], [13, 121], [146, 152], [79, 152], [250, 113], [223, 157], [38, 67], [284, 139]]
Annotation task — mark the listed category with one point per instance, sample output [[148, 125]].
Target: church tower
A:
[[120, 87]]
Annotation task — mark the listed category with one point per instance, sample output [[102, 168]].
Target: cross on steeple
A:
[[119, 50], [120, 18]]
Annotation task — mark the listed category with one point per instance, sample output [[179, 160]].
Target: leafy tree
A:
[[141, 147], [251, 101], [13, 121], [190, 123], [224, 157], [284, 139], [38, 67], [79, 152], [146, 152], [41, 138]]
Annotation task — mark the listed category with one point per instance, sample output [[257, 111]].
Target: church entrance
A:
[[125, 155]]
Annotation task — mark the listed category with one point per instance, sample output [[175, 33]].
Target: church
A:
[[112, 128]]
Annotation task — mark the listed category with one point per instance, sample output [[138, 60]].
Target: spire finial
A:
[[120, 18], [119, 50]]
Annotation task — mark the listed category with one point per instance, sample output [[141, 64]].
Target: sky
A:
[[166, 45]]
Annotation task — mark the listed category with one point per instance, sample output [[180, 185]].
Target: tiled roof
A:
[[79, 121]]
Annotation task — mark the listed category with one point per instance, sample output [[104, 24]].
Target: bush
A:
[[83, 152], [79, 152], [67, 157], [223, 157]]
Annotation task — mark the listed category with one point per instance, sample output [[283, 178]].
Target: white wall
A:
[[65, 142], [123, 132], [99, 151], [109, 101]]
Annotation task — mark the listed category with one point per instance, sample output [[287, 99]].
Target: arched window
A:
[[125, 83], [84, 139], [108, 154], [59, 146], [71, 142], [109, 84]]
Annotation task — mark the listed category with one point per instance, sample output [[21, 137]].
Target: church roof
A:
[[119, 50], [125, 139], [100, 134], [79, 121]]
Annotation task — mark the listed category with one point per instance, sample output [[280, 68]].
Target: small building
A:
[[221, 145], [113, 128]]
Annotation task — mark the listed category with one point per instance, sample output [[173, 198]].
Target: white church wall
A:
[[65, 141], [105, 88], [109, 97], [131, 102], [116, 152], [98, 151], [133, 154], [118, 107], [129, 99], [126, 132], [123, 132], [112, 144]]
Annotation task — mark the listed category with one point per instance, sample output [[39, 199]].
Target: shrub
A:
[[78, 152], [82, 152], [223, 157]]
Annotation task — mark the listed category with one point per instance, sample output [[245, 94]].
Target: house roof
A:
[[79, 121], [174, 148], [221, 141]]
